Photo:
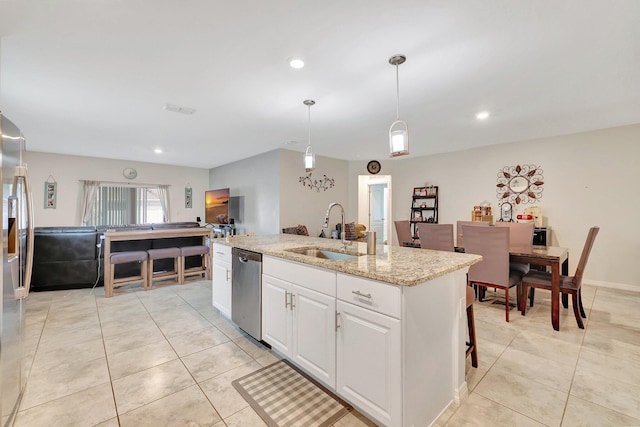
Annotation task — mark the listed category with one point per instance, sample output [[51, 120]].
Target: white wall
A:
[[301, 205], [69, 170], [589, 180], [273, 196], [257, 181]]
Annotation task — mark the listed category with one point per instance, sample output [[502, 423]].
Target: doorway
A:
[[374, 205]]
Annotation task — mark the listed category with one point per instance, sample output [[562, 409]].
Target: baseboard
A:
[[461, 393], [612, 285]]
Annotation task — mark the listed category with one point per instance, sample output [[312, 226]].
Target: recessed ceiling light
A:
[[290, 142], [158, 151], [482, 115], [296, 63]]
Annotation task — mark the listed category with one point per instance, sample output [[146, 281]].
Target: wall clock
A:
[[130, 173], [373, 167], [506, 212]]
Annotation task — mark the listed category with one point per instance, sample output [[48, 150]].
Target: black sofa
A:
[[69, 257]]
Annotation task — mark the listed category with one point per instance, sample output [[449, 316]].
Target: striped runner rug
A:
[[285, 397]]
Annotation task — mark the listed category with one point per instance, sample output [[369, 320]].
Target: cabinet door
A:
[[222, 287], [314, 343], [276, 314], [369, 362]]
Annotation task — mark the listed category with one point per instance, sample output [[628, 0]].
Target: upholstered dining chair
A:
[[403, 230], [438, 237], [568, 284], [520, 240], [460, 235], [493, 271]]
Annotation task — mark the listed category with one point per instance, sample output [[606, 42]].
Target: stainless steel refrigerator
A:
[[17, 262]]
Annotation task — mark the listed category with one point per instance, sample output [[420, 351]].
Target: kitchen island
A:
[[385, 332]]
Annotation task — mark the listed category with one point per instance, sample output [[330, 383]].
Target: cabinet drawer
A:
[[370, 294], [221, 252], [314, 278]]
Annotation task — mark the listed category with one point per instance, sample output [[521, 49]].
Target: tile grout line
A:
[[104, 347]]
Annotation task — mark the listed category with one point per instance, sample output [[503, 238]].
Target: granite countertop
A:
[[391, 264]]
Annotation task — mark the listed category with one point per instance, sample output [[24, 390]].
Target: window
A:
[[125, 205]]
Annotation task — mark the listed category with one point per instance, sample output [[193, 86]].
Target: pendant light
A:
[[309, 157], [399, 131]]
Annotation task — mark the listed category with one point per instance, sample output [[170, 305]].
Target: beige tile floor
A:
[[163, 357], [166, 357], [530, 375]]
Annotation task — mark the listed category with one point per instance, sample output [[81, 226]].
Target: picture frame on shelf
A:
[[417, 216]]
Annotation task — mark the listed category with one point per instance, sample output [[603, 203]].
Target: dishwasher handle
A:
[[245, 256]]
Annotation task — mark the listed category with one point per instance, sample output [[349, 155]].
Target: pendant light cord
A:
[[309, 122], [397, 94]]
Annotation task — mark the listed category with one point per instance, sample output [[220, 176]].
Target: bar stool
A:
[[205, 268], [123, 258], [163, 253], [471, 324]]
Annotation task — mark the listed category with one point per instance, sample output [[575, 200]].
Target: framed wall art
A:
[[50, 193], [188, 199]]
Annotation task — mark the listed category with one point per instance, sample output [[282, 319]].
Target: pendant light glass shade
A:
[[309, 157], [398, 139], [309, 160], [399, 131]]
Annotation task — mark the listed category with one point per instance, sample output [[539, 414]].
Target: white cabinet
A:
[[395, 353], [369, 366], [277, 314], [314, 345], [299, 321], [222, 279]]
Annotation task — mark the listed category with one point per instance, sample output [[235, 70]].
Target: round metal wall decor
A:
[[519, 184]]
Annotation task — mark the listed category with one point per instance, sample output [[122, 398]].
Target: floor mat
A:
[[285, 397]]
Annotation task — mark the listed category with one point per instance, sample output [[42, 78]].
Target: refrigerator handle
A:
[[21, 172]]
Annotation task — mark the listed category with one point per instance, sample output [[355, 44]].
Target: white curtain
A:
[[88, 199], [163, 195]]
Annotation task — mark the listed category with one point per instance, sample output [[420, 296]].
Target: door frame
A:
[[364, 181]]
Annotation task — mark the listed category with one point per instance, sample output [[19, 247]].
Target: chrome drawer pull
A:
[[286, 299], [360, 294]]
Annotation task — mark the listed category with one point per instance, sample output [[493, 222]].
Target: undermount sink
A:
[[321, 253]]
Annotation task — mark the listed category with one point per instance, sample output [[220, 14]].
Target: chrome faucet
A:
[[343, 233]]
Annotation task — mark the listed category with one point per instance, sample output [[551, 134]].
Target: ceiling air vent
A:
[[179, 109]]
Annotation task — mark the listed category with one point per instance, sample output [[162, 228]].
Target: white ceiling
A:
[[91, 77]]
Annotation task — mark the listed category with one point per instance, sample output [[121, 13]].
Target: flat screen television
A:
[[216, 204]]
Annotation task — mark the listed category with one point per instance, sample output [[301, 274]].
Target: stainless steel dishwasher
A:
[[246, 291]]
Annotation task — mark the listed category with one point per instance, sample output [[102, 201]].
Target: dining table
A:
[[555, 257]]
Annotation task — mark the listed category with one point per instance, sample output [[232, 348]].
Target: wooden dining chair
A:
[[460, 235], [493, 271], [403, 230], [438, 237], [568, 284]]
